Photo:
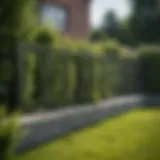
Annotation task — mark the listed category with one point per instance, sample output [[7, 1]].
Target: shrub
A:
[[37, 68], [86, 79], [29, 76], [111, 74], [8, 135], [149, 57], [87, 74], [78, 72], [129, 78], [112, 47], [62, 78], [44, 35], [53, 72]]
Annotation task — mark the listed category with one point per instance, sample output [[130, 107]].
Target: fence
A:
[[47, 77]]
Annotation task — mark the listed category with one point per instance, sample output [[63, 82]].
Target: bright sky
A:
[[99, 7]]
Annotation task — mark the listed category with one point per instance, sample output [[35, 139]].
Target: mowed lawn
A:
[[132, 136]]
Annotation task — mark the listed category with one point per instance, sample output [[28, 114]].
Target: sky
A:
[[99, 7]]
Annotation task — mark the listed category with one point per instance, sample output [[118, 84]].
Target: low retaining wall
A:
[[43, 127]]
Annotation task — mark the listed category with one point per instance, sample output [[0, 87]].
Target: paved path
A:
[[43, 127]]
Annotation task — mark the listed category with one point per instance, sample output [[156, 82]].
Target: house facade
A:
[[70, 17]]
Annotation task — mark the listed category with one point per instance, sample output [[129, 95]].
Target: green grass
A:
[[133, 136]]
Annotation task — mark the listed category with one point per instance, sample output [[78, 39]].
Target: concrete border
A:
[[44, 127]]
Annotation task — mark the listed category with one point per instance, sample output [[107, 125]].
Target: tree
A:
[[145, 21], [115, 28], [15, 20], [110, 24], [16, 16], [125, 35]]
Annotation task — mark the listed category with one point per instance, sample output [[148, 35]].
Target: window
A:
[[53, 16]]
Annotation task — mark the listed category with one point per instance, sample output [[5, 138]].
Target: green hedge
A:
[[71, 72], [63, 79], [80, 73], [87, 78], [149, 57], [29, 76], [8, 135], [128, 80]]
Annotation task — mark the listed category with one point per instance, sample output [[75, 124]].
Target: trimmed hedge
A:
[[63, 79], [149, 57], [128, 81], [87, 78], [81, 72], [78, 73], [29, 76]]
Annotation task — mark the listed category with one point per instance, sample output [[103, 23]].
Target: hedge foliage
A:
[[17, 20], [8, 135], [73, 72], [150, 63]]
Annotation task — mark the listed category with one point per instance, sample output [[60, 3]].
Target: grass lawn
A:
[[133, 136]]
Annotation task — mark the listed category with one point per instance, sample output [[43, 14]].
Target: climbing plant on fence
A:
[[57, 77], [53, 77]]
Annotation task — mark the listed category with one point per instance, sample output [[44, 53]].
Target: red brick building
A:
[[71, 17]]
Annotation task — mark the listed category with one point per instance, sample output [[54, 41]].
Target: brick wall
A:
[[77, 18]]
